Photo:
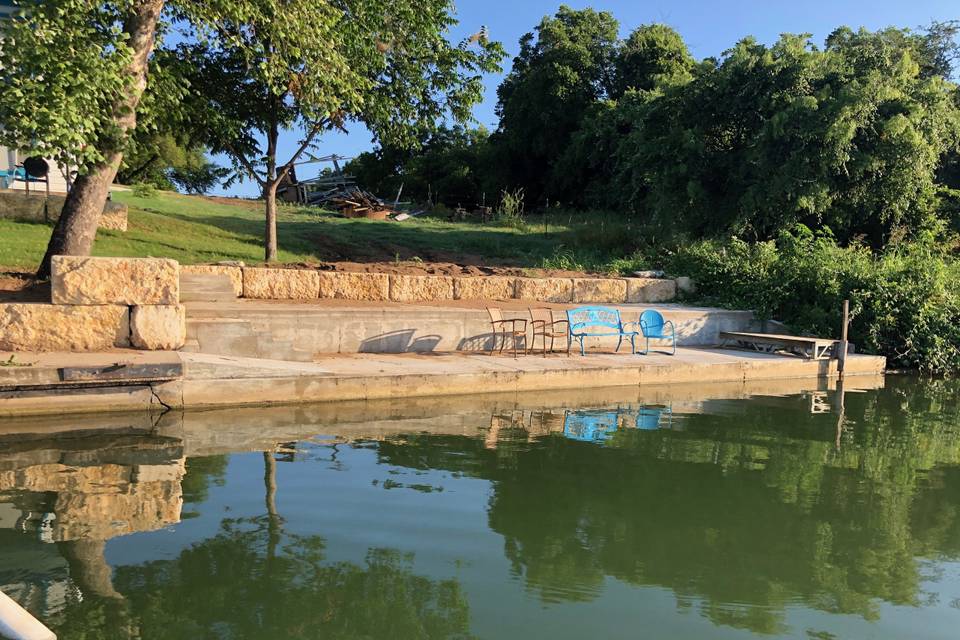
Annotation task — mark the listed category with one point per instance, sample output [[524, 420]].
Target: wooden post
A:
[[842, 355]]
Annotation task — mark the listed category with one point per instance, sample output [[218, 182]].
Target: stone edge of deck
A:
[[222, 386]]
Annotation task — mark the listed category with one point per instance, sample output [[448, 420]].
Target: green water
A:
[[773, 516]]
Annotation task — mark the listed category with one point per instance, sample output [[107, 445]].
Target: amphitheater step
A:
[[206, 287]]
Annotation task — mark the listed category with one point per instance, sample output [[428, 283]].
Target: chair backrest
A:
[[651, 322], [583, 317], [541, 314], [496, 315]]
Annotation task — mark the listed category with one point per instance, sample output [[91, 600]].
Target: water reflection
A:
[[745, 510]]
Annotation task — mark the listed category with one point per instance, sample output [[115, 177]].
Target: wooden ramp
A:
[[811, 348]]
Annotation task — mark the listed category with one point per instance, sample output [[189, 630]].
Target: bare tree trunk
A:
[[77, 226], [270, 233]]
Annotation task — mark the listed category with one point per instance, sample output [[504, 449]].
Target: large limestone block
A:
[[420, 288], [280, 284], [50, 327], [354, 286], [158, 327], [234, 273], [484, 288], [599, 290], [685, 284], [651, 290], [128, 281], [545, 289]]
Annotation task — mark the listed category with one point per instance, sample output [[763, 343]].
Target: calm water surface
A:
[[612, 517]]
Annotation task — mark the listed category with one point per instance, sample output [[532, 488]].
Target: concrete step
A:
[[206, 287]]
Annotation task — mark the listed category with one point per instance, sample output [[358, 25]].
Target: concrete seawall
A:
[[220, 381]]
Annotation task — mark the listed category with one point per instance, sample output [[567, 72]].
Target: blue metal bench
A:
[[588, 322]]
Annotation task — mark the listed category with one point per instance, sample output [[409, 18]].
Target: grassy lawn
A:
[[194, 229]]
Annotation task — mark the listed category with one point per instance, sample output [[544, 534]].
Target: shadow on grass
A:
[[335, 239]]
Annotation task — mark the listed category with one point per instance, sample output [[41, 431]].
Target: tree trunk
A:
[[77, 226], [270, 233]]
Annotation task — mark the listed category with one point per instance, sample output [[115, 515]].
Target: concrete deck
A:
[[219, 381]]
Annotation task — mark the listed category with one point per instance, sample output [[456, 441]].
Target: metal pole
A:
[[842, 355]]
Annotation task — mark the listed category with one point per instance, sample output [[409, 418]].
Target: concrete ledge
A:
[[128, 281], [253, 381], [52, 327]]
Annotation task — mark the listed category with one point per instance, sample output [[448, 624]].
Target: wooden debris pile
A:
[[353, 202]]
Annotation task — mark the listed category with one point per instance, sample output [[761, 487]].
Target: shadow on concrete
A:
[[400, 341], [488, 342]]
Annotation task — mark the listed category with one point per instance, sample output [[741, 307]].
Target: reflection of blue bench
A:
[[598, 426], [599, 322], [648, 419], [590, 426]]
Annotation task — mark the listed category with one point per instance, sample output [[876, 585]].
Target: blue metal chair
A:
[[653, 326]]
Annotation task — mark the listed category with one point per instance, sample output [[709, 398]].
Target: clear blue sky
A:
[[708, 27]]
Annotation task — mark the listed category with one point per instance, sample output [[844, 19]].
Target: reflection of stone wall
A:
[[102, 501]]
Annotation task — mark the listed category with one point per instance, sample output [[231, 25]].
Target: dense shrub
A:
[[905, 302]]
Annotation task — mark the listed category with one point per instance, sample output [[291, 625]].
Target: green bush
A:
[[905, 302]]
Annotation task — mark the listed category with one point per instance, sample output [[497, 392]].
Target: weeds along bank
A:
[[905, 301]]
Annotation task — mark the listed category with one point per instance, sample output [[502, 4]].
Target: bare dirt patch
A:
[[17, 286], [423, 268]]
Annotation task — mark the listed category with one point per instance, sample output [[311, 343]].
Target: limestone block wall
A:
[[99, 304], [266, 283], [37, 207]]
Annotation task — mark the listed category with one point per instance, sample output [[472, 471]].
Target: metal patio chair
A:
[[544, 325], [499, 326]]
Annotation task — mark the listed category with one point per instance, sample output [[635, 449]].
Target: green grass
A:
[[194, 230]]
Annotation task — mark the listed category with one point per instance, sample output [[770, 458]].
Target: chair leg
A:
[[619, 342], [581, 347], [569, 342], [503, 340], [633, 345]]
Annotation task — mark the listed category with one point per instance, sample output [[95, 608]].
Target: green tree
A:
[[653, 55], [73, 73], [558, 75], [309, 66]]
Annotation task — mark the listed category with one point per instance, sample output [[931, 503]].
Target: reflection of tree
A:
[[252, 580], [227, 586], [201, 473], [758, 508]]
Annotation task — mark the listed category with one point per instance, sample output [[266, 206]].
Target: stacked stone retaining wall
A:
[[99, 304], [265, 283]]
